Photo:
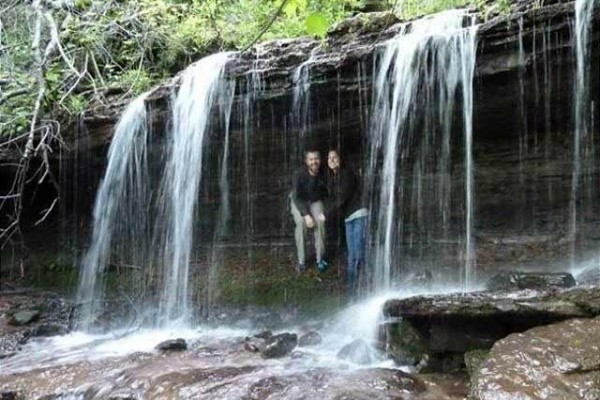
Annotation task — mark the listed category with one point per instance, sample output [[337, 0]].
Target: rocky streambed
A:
[[537, 338]]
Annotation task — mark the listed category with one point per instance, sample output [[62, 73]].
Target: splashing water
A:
[[417, 80]]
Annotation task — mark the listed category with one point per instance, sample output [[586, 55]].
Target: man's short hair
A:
[[307, 152]]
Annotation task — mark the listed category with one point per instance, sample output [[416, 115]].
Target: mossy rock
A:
[[404, 343], [24, 317]]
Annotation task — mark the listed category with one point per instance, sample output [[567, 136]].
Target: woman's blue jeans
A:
[[356, 236]]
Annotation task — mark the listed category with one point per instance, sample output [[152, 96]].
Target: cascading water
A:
[[419, 74], [124, 210], [223, 223], [200, 86], [119, 208], [301, 103], [583, 153]]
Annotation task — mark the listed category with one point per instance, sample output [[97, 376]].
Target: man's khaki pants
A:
[[316, 209]]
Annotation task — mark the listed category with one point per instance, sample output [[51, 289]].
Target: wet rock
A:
[[9, 395], [473, 360], [264, 335], [25, 317], [558, 361], [530, 280], [311, 338], [454, 324], [172, 345], [280, 345], [447, 362], [358, 352], [48, 330], [255, 345], [403, 343]]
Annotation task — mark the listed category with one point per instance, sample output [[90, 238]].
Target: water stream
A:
[[119, 211], [420, 73], [583, 139]]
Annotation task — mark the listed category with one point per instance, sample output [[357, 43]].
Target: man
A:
[[309, 190]]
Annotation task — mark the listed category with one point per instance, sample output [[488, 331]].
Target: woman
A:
[[345, 200]]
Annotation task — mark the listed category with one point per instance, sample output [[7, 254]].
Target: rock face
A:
[[450, 325], [525, 280], [524, 190], [559, 361]]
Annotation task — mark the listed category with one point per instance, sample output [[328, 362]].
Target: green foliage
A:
[[316, 24], [76, 104], [133, 44], [410, 9]]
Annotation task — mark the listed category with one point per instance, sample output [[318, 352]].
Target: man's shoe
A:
[[322, 266]]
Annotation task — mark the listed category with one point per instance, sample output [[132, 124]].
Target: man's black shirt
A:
[[306, 189]]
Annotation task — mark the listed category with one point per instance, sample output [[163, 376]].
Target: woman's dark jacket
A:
[[344, 193]]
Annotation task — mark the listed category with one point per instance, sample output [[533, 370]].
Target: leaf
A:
[[316, 24], [293, 7], [290, 8]]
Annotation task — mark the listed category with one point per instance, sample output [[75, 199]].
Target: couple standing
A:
[[318, 196]]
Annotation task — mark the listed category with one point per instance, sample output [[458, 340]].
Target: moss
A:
[[313, 293]]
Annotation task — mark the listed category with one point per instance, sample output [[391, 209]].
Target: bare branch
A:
[[13, 93], [47, 212]]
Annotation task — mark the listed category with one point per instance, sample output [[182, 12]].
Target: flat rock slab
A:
[[457, 323], [559, 361], [552, 304]]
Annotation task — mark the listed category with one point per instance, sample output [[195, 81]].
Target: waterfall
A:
[[126, 215], [119, 207], [302, 117], [418, 76], [223, 223], [582, 139], [201, 85]]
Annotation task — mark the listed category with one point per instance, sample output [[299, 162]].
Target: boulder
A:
[[530, 280], [557, 361], [280, 345], [254, 344], [473, 361], [311, 338], [358, 352], [451, 325], [172, 345], [264, 335], [403, 343], [24, 317]]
